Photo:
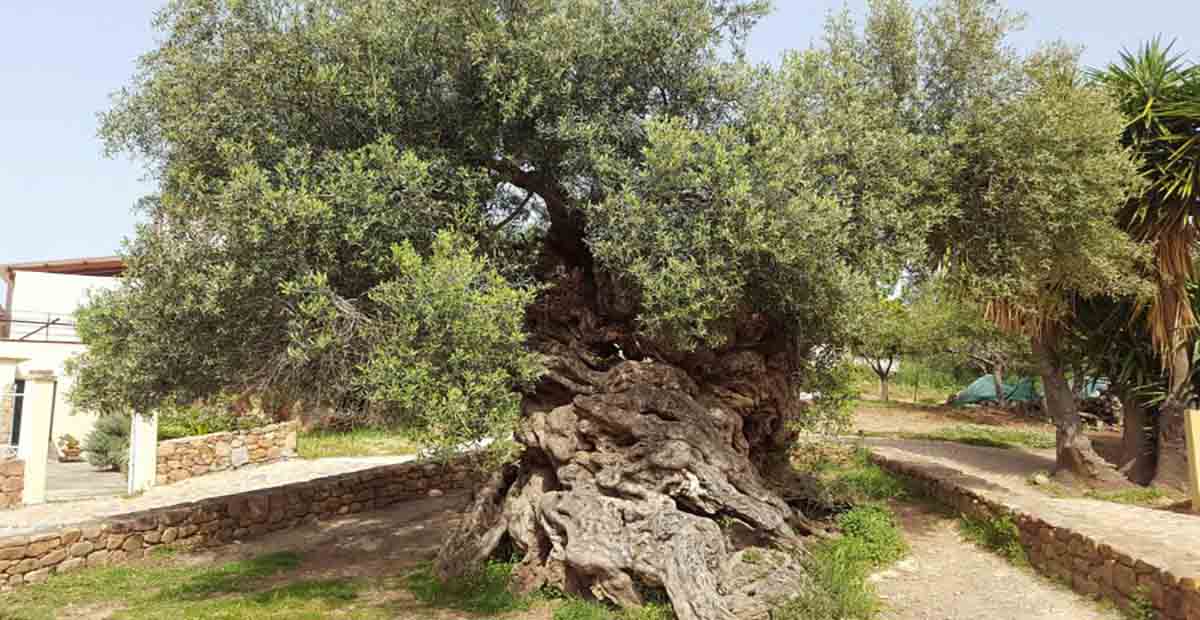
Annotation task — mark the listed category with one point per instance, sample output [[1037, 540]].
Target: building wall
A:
[[35, 296]]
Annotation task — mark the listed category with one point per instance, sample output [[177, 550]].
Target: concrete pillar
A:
[[143, 452], [1192, 418], [35, 432]]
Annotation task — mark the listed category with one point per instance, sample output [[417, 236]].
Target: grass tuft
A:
[[997, 534], [856, 480], [839, 568], [577, 609], [483, 592]]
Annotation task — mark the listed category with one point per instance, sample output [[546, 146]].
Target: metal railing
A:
[[28, 326]]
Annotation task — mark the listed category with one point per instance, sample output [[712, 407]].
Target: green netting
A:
[[983, 390]]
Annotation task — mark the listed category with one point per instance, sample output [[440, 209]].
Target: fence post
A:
[[35, 432], [143, 452], [1192, 421]]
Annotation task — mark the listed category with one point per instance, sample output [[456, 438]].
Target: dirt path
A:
[[947, 578]]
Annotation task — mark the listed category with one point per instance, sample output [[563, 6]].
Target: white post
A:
[[1192, 418], [143, 452], [35, 432]]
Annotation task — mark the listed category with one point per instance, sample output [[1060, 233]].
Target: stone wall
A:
[[188, 457], [12, 481], [1090, 567], [220, 520]]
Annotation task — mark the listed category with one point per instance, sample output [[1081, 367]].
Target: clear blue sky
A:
[[60, 60]]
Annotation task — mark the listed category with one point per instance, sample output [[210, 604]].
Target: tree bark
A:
[[1074, 454], [883, 388], [645, 469], [998, 379], [1137, 440], [1171, 461]]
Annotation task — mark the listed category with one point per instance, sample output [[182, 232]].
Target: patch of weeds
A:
[[997, 534], [839, 569], [857, 480], [1140, 496], [753, 556], [1140, 607], [578, 609], [989, 437], [871, 536], [484, 591]]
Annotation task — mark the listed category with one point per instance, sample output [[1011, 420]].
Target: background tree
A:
[[954, 328], [1159, 93], [882, 336]]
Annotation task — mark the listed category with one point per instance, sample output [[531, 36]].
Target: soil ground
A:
[[947, 578]]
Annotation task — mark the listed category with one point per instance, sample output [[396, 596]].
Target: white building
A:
[[37, 332]]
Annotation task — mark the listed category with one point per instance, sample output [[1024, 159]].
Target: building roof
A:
[[95, 266]]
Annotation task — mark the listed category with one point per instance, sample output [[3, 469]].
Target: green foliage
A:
[[177, 421], [1140, 496], [997, 534], [990, 437], [448, 346], [883, 334], [839, 569], [483, 592], [107, 445]]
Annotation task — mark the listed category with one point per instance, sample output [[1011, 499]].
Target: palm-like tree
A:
[[1159, 91]]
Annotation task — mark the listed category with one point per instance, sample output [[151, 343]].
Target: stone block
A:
[[1125, 580], [81, 549], [70, 565], [37, 576]]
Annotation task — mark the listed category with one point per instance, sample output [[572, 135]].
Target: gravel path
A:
[[948, 578]]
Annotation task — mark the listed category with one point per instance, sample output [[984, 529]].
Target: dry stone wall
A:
[[12, 481], [188, 457], [219, 520], [7, 413], [1090, 567]]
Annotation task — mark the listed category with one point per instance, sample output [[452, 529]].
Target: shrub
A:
[[107, 446], [204, 418], [872, 536]]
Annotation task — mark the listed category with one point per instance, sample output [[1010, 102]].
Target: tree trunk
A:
[[644, 469], [1137, 442], [998, 379], [883, 388], [1171, 468], [1074, 454]]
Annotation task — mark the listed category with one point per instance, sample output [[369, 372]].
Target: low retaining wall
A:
[[220, 520], [1090, 567], [12, 482], [188, 457]]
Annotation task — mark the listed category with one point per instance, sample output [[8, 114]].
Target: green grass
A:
[[576, 609], [989, 436], [839, 568], [997, 534], [359, 442], [1139, 496], [484, 592], [241, 590], [856, 480]]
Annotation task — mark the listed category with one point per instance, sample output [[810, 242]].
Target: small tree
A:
[[882, 335]]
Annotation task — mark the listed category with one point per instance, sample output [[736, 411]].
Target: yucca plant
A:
[[1158, 90]]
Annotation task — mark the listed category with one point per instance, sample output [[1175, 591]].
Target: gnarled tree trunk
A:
[[644, 469], [1074, 452]]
